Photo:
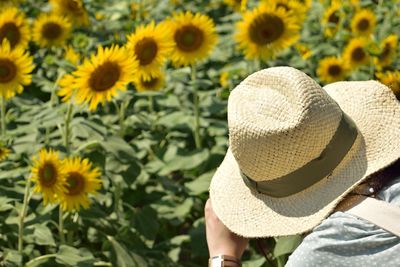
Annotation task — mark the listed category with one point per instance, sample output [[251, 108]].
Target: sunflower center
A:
[[48, 174], [358, 54], [363, 25], [51, 31], [334, 70], [333, 18], [266, 29], [150, 83], [75, 184], [105, 76], [146, 50], [189, 38], [11, 32], [8, 70]]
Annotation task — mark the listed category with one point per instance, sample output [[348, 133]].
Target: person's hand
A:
[[219, 239]]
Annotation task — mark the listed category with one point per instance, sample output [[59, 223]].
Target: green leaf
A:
[[74, 257], [43, 235], [146, 222], [125, 258], [119, 148], [185, 161], [286, 245], [201, 184], [4, 204], [12, 258]]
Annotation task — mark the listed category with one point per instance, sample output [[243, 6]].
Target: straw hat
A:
[[295, 150]]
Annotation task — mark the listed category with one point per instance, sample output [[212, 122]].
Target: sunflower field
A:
[[113, 115]]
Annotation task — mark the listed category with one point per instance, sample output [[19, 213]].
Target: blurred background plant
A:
[[113, 115]]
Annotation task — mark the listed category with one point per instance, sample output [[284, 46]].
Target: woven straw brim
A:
[[376, 112]]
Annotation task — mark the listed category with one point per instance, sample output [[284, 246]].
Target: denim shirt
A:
[[345, 240]]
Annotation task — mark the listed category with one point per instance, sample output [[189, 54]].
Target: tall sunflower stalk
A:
[[22, 215], [196, 108], [3, 116], [67, 141]]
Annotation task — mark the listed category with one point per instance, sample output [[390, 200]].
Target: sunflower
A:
[[151, 45], [71, 55], [74, 10], [331, 69], [48, 175], [136, 8], [66, 90], [304, 51], [153, 83], [355, 53], [15, 69], [332, 18], [81, 180], [388, 49], [14, 27], [8, 3], [265, 31], [194, 37], [237, 5], [295, 8], [4, 153], [51, 30], [100, 78], [363, 22], [392, 80], [224, 79]]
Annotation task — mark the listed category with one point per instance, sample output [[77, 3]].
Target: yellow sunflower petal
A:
[[14, 27], [194, 37], [265, 31], [355, 53], [74, 10], [331, 69], [4, 152], [48, 175], [363, 22], [153, 83], [81, 180], [15, 66], [51, 30], [151, 45], [101, 77], [237, 5], [388, 50], [332, 18], [392, 80]]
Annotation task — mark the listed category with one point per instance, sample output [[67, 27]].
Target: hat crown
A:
[[279, 120]]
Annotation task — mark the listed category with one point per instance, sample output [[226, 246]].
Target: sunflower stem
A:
[[197, 138], [121, 114], [61, 224], [138, 12], [151, 112], [3, 116], [23, 214], [67, 132]]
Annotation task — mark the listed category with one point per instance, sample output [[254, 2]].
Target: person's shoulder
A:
[[343, 239]]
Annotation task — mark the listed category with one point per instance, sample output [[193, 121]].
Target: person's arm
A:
[[220, 239]]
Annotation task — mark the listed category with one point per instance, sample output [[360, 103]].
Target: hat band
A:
[[313, 171]]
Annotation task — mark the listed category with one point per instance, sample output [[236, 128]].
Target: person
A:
[[297, 155]]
